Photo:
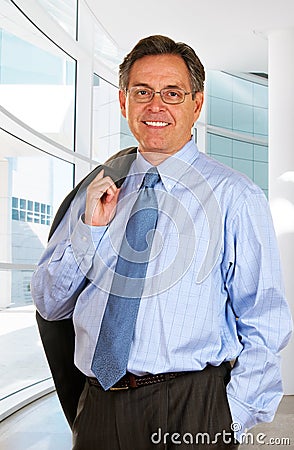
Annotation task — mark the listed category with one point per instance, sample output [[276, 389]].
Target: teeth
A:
[[157, 124]]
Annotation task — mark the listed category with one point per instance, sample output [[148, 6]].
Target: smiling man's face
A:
[[157, 126]]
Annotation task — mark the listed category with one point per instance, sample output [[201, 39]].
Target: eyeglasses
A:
[[171, 96]]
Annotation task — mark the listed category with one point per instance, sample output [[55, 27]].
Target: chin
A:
[[159, 147]]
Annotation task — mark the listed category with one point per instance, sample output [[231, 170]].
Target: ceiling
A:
[[226, 34]]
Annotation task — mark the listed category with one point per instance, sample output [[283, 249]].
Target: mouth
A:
[[156, 124]]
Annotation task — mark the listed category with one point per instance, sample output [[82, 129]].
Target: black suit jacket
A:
[[58, 336]]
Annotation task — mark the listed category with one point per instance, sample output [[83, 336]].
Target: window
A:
[[64, 12], [110, 129], [32, 185], [35, 72], [31, 211]]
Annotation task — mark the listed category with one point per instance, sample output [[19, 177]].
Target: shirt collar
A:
[[170, 170]]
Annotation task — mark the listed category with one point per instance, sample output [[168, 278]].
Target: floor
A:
[[22, 360], [41, 426]]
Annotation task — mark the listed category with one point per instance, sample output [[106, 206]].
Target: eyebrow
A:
[[169, 86]]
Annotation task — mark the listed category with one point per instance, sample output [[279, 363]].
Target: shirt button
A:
[[84, 238]]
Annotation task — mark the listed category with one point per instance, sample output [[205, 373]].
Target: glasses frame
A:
[[153, 92]]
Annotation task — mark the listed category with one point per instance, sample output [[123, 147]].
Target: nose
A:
[[156, 104]]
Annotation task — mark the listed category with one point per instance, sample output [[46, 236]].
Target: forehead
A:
[[161, 70]]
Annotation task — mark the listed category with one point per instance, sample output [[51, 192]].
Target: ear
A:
[[122, 102], [198, 101]]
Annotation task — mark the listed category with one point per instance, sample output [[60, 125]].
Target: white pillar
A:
[[281, 167], [5, 234], [84, 90]]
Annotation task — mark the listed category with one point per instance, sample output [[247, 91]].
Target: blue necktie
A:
[[117, 328]]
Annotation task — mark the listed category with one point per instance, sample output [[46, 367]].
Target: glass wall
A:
[[33, 184], [237, 124], [110, 129], [37, 167], [65, 12], [36, 73], [246, 157]]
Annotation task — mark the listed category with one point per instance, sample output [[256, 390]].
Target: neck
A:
[[155, 158]]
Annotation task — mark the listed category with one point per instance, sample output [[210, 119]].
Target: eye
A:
[[142, 92], [173, 93]]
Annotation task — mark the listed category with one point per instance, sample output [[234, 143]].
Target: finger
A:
[[111, 195], [100, 175], [102, 181], [99, 187]]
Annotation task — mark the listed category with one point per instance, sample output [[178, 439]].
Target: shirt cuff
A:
[[84, 242], [242, 419]]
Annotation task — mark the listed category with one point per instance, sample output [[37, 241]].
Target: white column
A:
[[84, 90], [5, 234], [281, 167]]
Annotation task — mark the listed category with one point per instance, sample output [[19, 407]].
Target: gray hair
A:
[[162, 45]]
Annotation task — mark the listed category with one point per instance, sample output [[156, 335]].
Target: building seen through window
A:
[[237, 124]]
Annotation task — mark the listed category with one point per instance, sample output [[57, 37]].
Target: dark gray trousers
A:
[[188, 412]]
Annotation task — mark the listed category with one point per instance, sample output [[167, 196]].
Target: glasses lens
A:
[[173, 95], [168, 95], [140, 94]]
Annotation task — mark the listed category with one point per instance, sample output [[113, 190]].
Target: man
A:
[[161, 311]]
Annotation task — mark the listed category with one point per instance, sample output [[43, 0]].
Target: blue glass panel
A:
[[261, 153], [260, 97], [220, 85], [221, 113], [220, 145], [243, 118], [242, 91], [261, 121], [244, 166], [24, 63], [23, 203], [261, 174], [239, 105], [29, 217], [242, 150], [15, 214]]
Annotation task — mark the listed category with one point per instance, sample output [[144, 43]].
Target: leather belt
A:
[[131, 381]]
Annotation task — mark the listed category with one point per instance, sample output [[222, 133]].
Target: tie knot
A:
[[151, 178]]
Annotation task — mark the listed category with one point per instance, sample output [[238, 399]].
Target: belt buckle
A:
[[119, 388]]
